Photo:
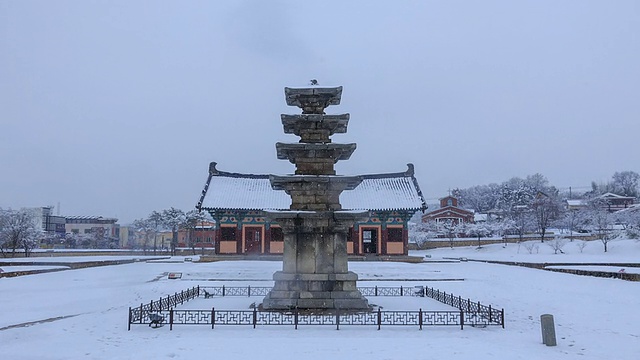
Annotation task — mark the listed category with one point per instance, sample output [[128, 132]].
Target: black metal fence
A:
[[162, 311]]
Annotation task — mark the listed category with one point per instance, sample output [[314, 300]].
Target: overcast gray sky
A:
[[115, 108]]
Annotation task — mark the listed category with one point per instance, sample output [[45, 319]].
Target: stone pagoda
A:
[[315, 271]]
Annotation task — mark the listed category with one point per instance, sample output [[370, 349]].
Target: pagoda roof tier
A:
[[332, 182], [308, 125], [296, 151], [376, 192], [313, 100]]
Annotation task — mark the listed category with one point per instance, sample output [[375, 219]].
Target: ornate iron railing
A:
[[137, 314], [468, 313]]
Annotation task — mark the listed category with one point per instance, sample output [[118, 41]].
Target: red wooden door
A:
[[252, 240]]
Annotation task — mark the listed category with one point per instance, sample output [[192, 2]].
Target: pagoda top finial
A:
[[313, 100]]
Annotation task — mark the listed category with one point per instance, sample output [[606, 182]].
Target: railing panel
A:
[[192, 317], [234, 317]]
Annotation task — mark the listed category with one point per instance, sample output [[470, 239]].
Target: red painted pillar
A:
[[405, 240]]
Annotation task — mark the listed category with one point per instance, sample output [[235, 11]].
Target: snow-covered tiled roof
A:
[[397, 191], [251, 192]]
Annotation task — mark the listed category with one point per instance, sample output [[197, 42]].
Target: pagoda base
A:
[[315, 292]]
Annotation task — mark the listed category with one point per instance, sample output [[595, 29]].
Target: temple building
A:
[[238, 202]]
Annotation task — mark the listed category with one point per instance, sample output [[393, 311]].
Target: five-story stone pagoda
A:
[[315, 271]]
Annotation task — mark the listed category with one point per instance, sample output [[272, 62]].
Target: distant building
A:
[[99, 232], [92, 225], [202, 235], [53, 227], [612, 202], [449, 211]]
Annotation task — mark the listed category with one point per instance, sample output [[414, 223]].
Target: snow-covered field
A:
[[83, 313]]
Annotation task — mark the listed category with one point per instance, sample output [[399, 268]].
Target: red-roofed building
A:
[[449, 211]]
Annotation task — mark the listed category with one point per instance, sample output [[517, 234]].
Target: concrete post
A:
[[548, 330]]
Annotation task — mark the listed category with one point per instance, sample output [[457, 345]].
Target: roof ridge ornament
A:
[[212, 168]]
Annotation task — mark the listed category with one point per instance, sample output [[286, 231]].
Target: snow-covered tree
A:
[[451, 229], [18, 230], [173, 218], [630, 220], [147, 230], [478, 230], [622, 183], [626, 183], [557, 243], [480, 198], [421, 232]]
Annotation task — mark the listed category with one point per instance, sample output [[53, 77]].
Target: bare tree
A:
[[192, 219], [569, 220], [598, 219], [546, 208], [581, 245], [530, 246], [157, 221], [523, 221], [18, 229]]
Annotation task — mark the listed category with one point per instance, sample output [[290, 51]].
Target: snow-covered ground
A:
[[619, 251], [82, 313]]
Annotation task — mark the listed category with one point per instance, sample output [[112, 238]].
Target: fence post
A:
[[468, 305], [151, 305], [141, 313], [461, 320], [171, 319], [129, 325], [502, 318], [379, 318], [460, 302], [213, 317], [181, 297], [295, 318], [490, 320], [376, 291], [337, 319], [420, 318], [197, 291], [249, 291], [400, 290], [223, 290], [255, 317]]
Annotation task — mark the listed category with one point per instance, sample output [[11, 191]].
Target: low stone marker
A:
[[548, 330]]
